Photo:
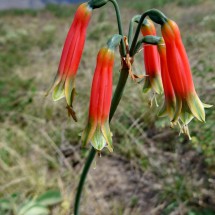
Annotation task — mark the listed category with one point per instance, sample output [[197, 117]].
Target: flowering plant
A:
[[167, 71]]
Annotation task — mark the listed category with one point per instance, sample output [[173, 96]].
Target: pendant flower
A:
[[64, 84], [97, 130], [188, 104], [168, 107], [187, 101], [151, 59]]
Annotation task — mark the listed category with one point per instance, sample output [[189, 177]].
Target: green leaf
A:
[[49, 198], [5, 204], [37, 210], [25, 207]]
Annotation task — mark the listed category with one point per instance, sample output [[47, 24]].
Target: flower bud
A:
[[151, 60]]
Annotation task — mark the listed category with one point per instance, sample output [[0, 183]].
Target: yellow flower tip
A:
[[177, 112], [207, 105], [69, 90], [98, 135], [88, 132], [167, 109], [153, 83], [58, 91], [55, 83], [98, 141], [156, 84], [107, 135], [196, 107], [185, 116]]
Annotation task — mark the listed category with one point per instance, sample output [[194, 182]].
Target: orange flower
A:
[[169, 104], [188, 104], [64, 85], [97, 130], [151, 60]]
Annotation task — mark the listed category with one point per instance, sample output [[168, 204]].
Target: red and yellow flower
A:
[[151, 60], [97, 130], [169, 103], [188, 104], [64, 85]]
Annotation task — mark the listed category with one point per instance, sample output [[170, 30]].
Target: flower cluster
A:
[[181, 103], [167, 71]]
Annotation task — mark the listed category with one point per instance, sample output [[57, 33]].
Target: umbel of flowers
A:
[[167, 70], [187, 103]]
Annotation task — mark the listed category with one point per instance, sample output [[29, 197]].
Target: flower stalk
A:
[[167, 69]]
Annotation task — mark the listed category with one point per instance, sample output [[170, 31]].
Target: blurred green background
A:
[[152, 171]]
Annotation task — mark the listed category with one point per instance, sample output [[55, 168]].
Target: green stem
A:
[[133, 45], [131, 28], [156, 16], [118, 91], [119, 22], [153, 40], [130, 32], [82, 180]]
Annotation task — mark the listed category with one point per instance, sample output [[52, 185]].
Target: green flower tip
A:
[[67, 89], [197, 108], [98, 135]]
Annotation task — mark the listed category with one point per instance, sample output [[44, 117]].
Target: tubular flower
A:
[[151, 59], [97, 130], [169, 103], [64, 85], [188, 104]]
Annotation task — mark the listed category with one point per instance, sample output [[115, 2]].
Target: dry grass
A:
[[152, 170]]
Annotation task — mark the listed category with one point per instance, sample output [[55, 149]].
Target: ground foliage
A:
[[152, 169]]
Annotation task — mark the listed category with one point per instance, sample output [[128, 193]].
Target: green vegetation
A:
[[36, 206], [152, 169]]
